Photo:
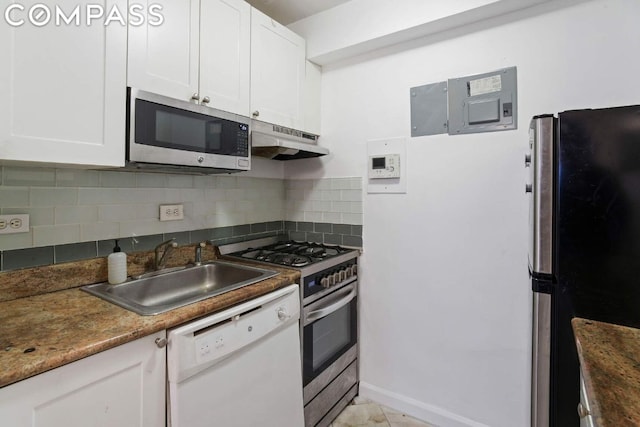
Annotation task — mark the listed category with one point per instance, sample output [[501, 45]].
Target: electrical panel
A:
[[479, 103], [483, 102]]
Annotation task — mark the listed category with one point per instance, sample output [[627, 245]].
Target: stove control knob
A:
[[354, 269], [347, 272], [324, 282], [343, 275], [336, 277]]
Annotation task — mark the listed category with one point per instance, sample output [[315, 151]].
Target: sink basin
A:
[[165, 291]]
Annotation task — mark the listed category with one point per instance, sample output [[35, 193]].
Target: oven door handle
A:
[[331, 308]]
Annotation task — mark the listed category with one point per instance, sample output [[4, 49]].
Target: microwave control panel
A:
[[384, 166]]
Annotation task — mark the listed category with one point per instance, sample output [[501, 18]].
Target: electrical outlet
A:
[[171, 212], [14, 223]]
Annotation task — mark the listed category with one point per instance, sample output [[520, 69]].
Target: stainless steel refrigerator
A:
[[584, 252]]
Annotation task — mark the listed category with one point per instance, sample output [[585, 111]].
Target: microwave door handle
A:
[[331, 308]]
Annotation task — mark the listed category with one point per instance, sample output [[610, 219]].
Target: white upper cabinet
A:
[[123, 386], [225, 52], [312, 90], [201, 52], [163, 59], [277, 72], [62, 90]]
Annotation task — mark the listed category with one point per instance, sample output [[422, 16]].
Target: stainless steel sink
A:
[[165, 291]]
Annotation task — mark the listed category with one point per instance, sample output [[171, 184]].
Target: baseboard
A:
[[414, 408]]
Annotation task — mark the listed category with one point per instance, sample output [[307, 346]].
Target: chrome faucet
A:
[[166, 248], [198, 254]]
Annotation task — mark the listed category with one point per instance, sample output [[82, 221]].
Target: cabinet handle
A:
[[161, 342], [256, 113], [195, 97], [582, 411], [206, 100]]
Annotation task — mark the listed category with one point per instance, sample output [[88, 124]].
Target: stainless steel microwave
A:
[[169, 134]]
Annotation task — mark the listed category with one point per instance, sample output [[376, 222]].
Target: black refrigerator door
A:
[[598, 213]]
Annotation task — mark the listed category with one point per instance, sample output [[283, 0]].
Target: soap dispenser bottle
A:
[[117, 266]]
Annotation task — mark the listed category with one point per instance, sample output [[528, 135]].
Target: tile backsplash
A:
[[68, 207]]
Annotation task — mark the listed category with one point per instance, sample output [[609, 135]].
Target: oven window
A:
[[328, 338], [330, 334]]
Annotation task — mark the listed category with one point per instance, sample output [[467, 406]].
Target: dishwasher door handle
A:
[[314, 315]]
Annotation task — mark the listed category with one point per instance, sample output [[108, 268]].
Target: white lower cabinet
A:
[[123, 386]]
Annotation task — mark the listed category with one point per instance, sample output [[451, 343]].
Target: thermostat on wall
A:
[[384, 166]]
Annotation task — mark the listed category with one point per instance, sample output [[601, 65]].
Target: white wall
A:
[[445, 299]]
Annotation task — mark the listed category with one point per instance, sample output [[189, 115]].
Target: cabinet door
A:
[[277, 72], [123, 386], [225, 49], [312, 88], [163, 59], [62, 90]]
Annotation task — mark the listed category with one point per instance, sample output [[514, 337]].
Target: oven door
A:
[[329, 330]]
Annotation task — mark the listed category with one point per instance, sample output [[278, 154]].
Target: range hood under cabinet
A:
[[282, 143]]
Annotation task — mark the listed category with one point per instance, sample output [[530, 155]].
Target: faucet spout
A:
[[166, 248], [198, 254]]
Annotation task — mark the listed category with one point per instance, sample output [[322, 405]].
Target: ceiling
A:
[[288, 11]]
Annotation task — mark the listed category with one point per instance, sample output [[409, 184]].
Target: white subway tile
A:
[[77, 178], [226, 206], [56, 234], [76, 214], [213, 194], [113, 179], [313, 216], [351, 195], [141, 227], [29, 177], [151, 180], [179, 181], [14, 197], [99, 231], [40, 197], [356, 207], [342, 207], [294, 216], [227, 182], [332, 217], [204, 181], [349, 218], [356, 183], [175, 195], [236, 194], [340, 183], [16, 241]]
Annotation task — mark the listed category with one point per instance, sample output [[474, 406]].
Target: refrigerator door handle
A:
[[541, 363]]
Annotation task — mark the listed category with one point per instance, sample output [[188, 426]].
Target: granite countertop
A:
[[47, 330], [610, 362]]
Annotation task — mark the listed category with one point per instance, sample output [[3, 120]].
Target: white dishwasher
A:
[[239, 367]]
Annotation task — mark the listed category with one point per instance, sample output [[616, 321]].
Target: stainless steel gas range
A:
[[328, 325]]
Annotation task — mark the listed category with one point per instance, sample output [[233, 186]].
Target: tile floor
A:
[[363, 413]]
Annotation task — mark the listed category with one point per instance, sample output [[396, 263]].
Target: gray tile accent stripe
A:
[[334, 234]]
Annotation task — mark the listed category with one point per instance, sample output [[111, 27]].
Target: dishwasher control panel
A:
[[225, 337]]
